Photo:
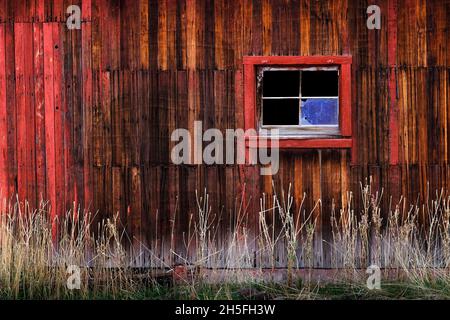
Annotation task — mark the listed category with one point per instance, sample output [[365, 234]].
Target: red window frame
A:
[[345, 112]]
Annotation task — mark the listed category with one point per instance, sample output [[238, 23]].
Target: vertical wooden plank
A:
[[86, 10], [95, 35], [59, 11], [144, 52], [392, 60], [59, 109], [39, 11], [345, 178], [423, 125], [4, 11], [25, 112], [4, 181], [125, 116], [50, 120], [316, 167], [162, 35], [346, 129], [30, 114], [39, 100], [68, 109], [118, 195], [208, 36], [437, 33], [331, 198], [11, 110], [181, 34], [305, 26], [117, 123], [106, 25], [171, 34], [136, 207], [129, 35], [86, 61], [75, 90], [266, 28], [191, 34], [21, 142], [144, 118], [200, 38], [310, 163], [252, 195], [192, 106], [98, 200], [154, 236], [97, 121], [135, 121], [256, 35], [219, 7], [293, 26], [249, 89], [105, 100], [161, 120], [245, 26]]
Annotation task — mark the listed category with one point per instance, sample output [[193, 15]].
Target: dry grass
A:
[[35, 251]]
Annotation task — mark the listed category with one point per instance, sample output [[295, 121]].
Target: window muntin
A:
[[299, 101]]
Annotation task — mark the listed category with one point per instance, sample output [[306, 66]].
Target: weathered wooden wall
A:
[[86, 115]]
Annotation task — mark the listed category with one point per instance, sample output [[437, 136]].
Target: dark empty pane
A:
[[280, 112], [281, 83], [319, 83], [319, 112]]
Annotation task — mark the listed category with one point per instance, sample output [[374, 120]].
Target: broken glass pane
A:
[[280, 112], [319, 112], [281, 83]]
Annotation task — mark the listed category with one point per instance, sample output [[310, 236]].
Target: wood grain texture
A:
[[86, 115]]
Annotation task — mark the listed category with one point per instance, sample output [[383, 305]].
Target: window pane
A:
[[280, 111], [281, 83], [319, 112], [320, 83]]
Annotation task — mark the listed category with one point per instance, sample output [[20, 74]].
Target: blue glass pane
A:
[[319, 112]]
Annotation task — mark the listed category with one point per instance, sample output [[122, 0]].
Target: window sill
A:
[[299, 143]]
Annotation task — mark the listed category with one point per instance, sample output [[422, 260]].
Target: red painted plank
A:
[[249, 96], [86, 51], [86, 10], [305, 143], [30, 114], [3, 10], [39, 10], [39, 102], [298, 60], [67, 114], [11, 108], [345, 100], [354, 118], [25, 139], [21, 140], [59, 103], [4, 183], [50, 119]]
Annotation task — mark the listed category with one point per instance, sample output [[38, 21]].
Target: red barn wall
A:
[[86, 115]]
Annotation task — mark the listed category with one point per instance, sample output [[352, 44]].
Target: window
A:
[[306, 98], [297, 100]]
